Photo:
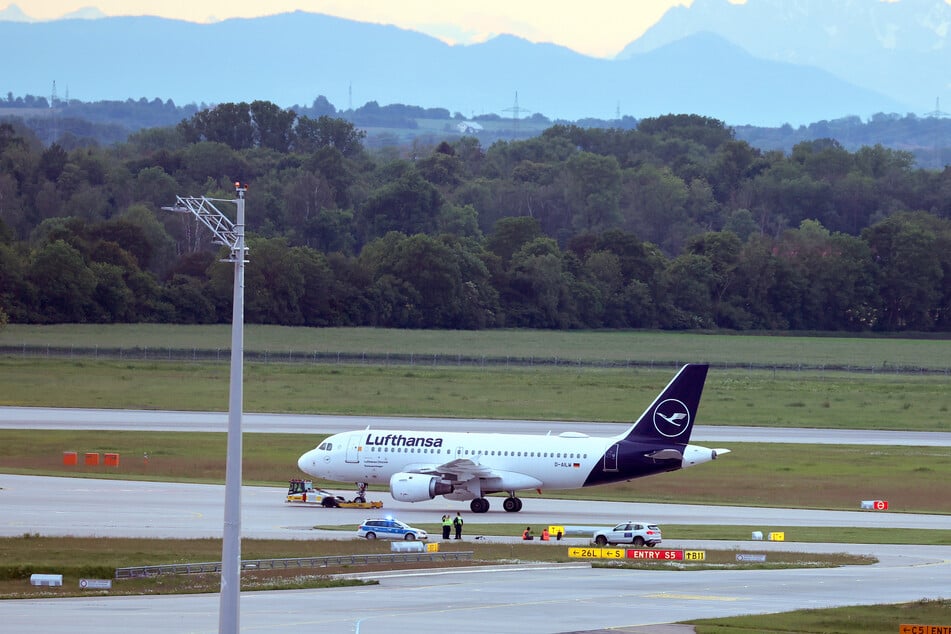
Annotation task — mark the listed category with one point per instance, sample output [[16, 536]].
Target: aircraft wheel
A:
[[360, 499], [479, 505], [512, 505]]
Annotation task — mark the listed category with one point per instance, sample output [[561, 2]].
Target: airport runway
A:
[[515, 598]]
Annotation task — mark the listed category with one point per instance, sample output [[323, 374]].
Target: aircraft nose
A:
[[303, 462]]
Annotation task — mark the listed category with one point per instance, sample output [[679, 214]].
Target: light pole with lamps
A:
[[230, 234]]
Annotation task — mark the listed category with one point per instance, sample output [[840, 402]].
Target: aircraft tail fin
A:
[[671, 416]]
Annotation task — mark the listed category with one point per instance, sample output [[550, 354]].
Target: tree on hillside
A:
[[328, 132]]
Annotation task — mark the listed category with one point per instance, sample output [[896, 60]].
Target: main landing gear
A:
[[512, 504], [481, 505], [361, 492]]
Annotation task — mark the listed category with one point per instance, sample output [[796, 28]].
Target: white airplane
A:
[[420, 465]]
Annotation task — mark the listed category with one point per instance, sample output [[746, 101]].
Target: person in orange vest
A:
[[545, 534], [527, 533]]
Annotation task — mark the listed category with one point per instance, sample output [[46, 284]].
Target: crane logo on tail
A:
[[671, 418]]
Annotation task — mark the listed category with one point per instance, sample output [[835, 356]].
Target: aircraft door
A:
[[354, 448], [610, 458]]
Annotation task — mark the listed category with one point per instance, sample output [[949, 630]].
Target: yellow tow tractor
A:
[[303, 492]]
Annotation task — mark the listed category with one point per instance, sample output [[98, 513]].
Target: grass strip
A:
[[862, 619], [725, 532], [737, 349], [732, 397]]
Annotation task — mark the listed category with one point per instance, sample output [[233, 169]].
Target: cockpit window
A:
[[325, 446]]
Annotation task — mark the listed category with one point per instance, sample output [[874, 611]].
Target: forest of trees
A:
[[675, 224], [73, 123]]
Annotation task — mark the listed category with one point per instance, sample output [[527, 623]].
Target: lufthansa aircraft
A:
[[468, 466]]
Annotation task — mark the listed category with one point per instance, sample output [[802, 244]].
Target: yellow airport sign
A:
[[584, 553], [589, 552]]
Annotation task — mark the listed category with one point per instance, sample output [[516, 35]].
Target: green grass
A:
[[884, 353], [732, 397], [703, 532], [865, 619]]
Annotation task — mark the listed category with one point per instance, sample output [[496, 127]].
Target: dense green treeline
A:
[[674, 224]]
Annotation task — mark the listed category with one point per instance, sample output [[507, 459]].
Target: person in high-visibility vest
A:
[[527, 533], [446, 526], [545, 534], [457, 524]]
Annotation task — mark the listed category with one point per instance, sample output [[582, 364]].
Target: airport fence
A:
[[289, 563], [223, 355]]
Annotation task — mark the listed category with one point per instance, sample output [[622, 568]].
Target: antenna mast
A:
[[937, 114], [54, 132]]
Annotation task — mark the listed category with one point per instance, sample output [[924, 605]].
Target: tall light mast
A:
[[230, 234]]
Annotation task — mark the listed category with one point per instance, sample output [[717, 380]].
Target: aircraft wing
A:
[[460, 469]]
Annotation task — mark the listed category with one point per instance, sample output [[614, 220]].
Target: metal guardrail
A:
[[223, 355], [133, 572]]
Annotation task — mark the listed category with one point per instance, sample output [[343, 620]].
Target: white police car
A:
[[389, 528]]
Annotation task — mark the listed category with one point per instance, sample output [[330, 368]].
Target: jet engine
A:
[[417, 487]]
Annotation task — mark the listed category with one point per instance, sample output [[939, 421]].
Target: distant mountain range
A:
[[766, 62], [898, 48]]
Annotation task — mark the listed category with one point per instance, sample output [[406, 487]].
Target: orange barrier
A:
[[111, 459], [92, 459], [70, 458]]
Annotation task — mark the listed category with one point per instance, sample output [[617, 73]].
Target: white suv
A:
[[637, 533], [387, 528]]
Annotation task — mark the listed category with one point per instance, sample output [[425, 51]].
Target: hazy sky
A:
[[600, 28]]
